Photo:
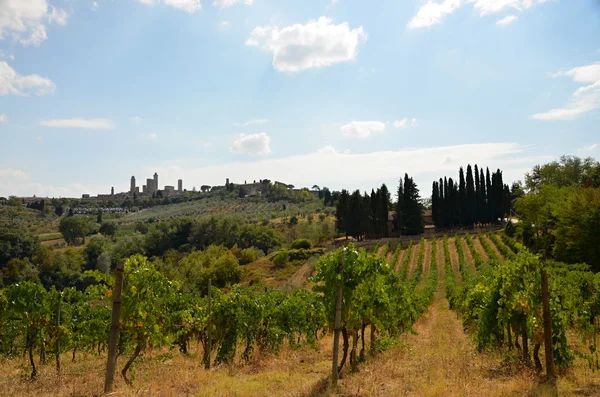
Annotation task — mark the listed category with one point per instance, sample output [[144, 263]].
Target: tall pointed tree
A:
[[462, 196], [482, 198], [384, 208], [399, 217], [477, 195], [342, 211], [435, 199], [412, 211], [470, 219], [446, 206], [488, 189]]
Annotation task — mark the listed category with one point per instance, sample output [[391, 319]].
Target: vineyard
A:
[[252, 209], [258, 338]]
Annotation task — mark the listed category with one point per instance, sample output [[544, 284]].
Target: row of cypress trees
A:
[[363, 215], [480, 198]]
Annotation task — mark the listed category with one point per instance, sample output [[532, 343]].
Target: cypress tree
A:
[[446, 206], [477, 195], [365, 214], [413, 212], [399, 218], [462, 197], [342, 210], [482, 198], [453, 207], [470, 219], [355, 229], [435, 193], [488, 188], [374, 218], [384, 207]]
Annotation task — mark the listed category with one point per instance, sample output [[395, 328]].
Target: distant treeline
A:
[[368, 216]]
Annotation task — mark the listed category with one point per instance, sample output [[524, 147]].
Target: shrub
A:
[[281, 258], [302, 243], [247, 255]]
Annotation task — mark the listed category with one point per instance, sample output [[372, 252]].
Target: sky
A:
[[338, 93]]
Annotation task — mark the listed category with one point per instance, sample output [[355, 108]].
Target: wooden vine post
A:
[[209, 331], [548, 347], [111, 362], [58, 333], [337, 325]]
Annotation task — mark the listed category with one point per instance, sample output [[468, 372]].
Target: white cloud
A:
[[583, 100], [153, 136], [225, 25], [13, 173], [12, 83], [3, 118], [507, 20], [5, 55], [135, 120], [590, 148], [253, 144], [251, 122], [486, 7], [185, 5], [318, 43], [405, 123], [336, 170], [38, 35], [90, 124], [327, 149], [94, 5], [229, 3], [362, 129], [24, 20], [325, 168], [58, 16], [433, 13]]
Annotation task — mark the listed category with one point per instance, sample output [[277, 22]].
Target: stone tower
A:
[[155, 182], [112, 191], [132, 189], [180, 185], [150, 186]]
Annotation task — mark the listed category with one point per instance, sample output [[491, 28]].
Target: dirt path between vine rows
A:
[[414, 258], [440, 360], [426, 260], [467, 252], [493, 246], [479, 249], [398, 265], [454, 258]]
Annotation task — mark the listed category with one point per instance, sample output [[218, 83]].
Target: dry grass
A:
[[454, 258], [426, 260], [441, 361], [398, 265], [494, 248], [414, 258], [468, 256], [291, 373], [479, 248]]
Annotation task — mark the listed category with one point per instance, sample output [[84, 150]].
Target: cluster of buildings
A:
[[150, 189]]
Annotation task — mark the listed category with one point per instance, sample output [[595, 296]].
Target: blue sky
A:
[[345, 94]]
